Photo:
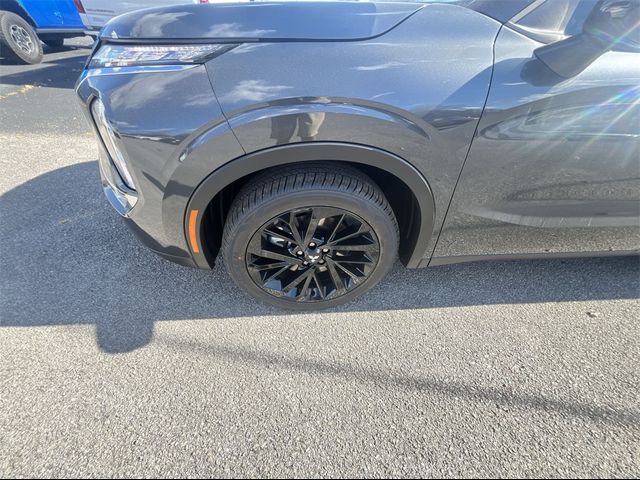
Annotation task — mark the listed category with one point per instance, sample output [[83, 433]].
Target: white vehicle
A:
[[95, 13]]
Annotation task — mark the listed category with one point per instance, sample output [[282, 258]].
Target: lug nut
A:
[[312, 245], [305, 263], [299, 252], [325, 250], [321, 262]]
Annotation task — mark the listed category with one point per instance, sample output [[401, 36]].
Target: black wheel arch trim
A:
[[366, 155]]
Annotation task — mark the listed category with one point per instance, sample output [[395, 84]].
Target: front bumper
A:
[[121, 198], [156, 114]]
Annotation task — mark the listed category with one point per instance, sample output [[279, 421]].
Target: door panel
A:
[[53, 13], [554, 167]]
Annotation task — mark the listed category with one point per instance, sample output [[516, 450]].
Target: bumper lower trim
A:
[[121, 198]]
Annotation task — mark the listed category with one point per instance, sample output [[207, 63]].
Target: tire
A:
[[350, 250], [53, 41], [18, 40]]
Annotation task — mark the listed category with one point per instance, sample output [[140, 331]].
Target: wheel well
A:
[[14, 7], [401, 198]]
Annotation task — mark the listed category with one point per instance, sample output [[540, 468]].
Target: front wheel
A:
[[18, 40], [309, 237]]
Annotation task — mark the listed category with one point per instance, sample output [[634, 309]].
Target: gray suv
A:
[[313, 143]]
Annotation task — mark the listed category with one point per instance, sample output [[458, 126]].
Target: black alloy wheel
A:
[[312, 254], [309, 236]]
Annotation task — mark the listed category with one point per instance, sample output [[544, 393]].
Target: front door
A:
[[555, 164]]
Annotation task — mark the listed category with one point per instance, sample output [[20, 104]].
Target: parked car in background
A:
[[95, 13], [26, 23]]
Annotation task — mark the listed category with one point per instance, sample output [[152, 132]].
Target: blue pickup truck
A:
[[26, 23]]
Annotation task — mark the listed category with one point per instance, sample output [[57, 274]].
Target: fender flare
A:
[[251, 163], [14, 7]]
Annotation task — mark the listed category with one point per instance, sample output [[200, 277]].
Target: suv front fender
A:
[[418, 242]]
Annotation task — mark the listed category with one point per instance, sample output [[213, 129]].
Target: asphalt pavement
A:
[[114, 362]]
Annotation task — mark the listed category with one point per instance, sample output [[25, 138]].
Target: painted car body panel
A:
[[262, 21], [417, 92], [173, 127], [410, 82], [183, 106], [555, 166], [51, 14], [99, 12]]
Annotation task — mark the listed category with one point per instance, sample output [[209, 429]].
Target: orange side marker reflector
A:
[[193, 239]]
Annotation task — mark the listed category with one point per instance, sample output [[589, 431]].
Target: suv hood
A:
[[268, 21]]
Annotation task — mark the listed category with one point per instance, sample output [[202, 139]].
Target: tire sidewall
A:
[[9, 19], [248, 224]]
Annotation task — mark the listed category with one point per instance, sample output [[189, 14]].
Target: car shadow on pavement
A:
[[67, 259], [453, 389], [55, 73]]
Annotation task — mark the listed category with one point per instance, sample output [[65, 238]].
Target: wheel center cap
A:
[[313, 255]]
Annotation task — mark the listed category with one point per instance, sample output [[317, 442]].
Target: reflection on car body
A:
[[311, 142]]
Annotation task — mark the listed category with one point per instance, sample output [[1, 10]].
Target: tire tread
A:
[[317, 176]]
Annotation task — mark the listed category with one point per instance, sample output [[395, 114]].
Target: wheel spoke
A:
[[335, 277], [293, 226], [347, 237], [356, 262], [302, 295], [282, 260], [297, 279], [274, 232], [318, 285], [274, 255], [353, 276], [311, 228], [274, 275], [335, 230], [269, 266], [370, 247]]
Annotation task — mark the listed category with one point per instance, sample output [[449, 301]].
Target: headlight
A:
[[109, 139], [116, 55]]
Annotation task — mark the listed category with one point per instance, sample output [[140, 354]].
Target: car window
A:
[[554, 20], [501, 10]]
